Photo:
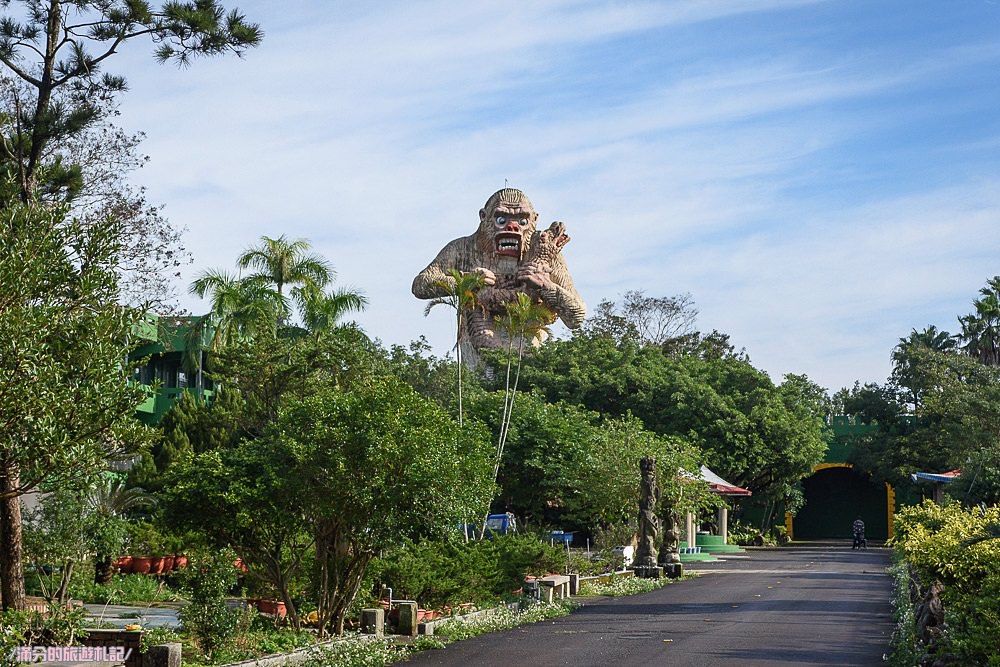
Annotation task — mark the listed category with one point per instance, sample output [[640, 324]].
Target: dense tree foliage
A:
[[568, 467], [755, 434], [937, 411], [379, 462], [67, 405]]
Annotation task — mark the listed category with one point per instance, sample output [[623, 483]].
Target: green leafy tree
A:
[[430, 376], [379, 463], [401, 471], [70, 525], [567, 467], [245, 499], [68, 407], [960, 422], [905, 371], [754, 434]]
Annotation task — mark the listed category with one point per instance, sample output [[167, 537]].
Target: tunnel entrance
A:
[[835, 496]]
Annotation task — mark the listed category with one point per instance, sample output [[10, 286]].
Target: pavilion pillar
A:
[[724, 524]]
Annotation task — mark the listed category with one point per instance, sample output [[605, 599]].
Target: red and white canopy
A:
[[721, 486]]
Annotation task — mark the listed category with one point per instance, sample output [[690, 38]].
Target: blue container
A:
[[561, 536]]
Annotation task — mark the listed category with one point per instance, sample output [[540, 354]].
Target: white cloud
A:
[[739, 176]]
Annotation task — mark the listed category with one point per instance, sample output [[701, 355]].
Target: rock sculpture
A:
[[649, 524], [512, 257], [670, 558]]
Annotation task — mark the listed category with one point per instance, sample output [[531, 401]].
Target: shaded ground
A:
[[800, 606]]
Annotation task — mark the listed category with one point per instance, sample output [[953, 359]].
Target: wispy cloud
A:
[[795, 179]]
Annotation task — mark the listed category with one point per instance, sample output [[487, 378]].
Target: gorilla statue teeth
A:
[[513, 258]]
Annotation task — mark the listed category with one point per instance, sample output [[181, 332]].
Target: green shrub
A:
[[598, 562], [959, 548], [207, 617], [254, 636], [60, 626], [440, 573], [125, 589], [906, 650], [615, 535]]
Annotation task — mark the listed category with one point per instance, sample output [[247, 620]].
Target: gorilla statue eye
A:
[[501, 220], [523, 222]]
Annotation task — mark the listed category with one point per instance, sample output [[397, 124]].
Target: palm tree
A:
[[240, 306], [523, 321], [461, 291], [981, 330], [281, 262], [108, 502], [322, 312]]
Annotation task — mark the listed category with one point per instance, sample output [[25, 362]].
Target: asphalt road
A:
[[791, 607]]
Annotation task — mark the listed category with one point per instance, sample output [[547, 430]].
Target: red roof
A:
[[721, 486]]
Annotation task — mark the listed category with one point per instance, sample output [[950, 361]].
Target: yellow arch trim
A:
[[824, 466], [890, 507]]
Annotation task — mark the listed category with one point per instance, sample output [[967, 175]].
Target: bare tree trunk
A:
[[62, 593], [11, 544]]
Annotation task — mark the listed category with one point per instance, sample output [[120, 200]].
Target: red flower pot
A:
[[123, 565], [168, 564], [180, 562], [156, 565], [274, 607], [142, 564]]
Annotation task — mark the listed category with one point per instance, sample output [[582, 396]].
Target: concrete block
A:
[[373, 622], [163, 655], [407, 625]]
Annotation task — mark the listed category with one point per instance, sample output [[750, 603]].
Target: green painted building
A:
[[174, 354], [836, 493]]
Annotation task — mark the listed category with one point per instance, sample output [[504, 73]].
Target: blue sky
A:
[[820, 176]]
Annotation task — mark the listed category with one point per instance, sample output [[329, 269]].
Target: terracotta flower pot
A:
[[180, 562], [141, 564], [274, 607], [156, 565], [123, 564]]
